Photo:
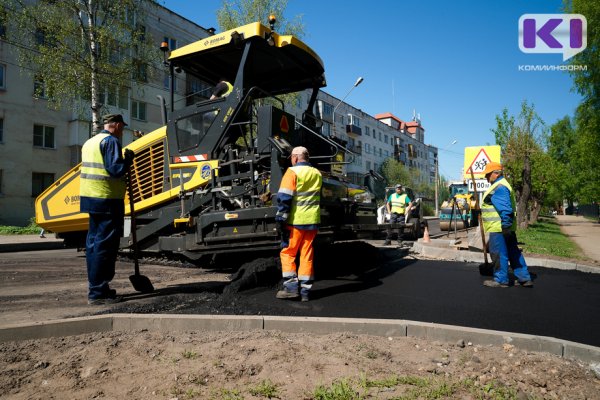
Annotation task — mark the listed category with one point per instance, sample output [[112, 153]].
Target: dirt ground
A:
[[242, 365]]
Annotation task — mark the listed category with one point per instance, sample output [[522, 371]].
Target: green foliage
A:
[[585, 151], [30, 229], [545, 237], [189, 354], [80, 49], [339, 390], [226, 394], [521, 140], [234, 13], [265, 388]]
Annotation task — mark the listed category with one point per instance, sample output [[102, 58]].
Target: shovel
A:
[[486, 268], [139, 282]]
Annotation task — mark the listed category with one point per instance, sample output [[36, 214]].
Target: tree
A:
[[561, 150], [235, 13], [519, 140], [587, 82], [78, 49]]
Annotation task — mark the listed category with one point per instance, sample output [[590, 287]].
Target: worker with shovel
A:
[[102, 191], [498, 216]]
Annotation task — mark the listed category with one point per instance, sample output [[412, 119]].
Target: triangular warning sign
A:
[[478, 164], [284, 125]]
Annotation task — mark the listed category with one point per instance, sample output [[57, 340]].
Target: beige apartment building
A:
[[38, 144]]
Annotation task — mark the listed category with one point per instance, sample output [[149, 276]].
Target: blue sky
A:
[[454, 62]]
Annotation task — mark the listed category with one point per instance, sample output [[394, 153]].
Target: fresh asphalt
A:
[[563, 304]]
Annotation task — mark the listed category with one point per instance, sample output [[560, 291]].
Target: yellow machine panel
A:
[[154, 181]]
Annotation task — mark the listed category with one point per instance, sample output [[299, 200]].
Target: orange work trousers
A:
[[300, 241]]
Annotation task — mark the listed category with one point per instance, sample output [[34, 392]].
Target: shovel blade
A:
[[486, 269], [141, 283]]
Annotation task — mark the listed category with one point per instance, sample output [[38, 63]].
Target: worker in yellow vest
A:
[[102, 191], [298, 217], [223, 89], [397, 205], [498, 217]]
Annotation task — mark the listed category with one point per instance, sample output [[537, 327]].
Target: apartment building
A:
[[38, 145], [374, 139]]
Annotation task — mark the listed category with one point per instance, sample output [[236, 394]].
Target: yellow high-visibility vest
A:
[[94, 180], [490, 217], [398, 203], [305, 204]]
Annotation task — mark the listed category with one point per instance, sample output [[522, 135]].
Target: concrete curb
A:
[[314, 325], [475, 257], [31, 246]]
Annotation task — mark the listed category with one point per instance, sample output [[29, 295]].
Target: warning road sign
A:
[[477, 157]]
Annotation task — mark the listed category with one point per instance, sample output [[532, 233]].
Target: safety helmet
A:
[[491, 167]]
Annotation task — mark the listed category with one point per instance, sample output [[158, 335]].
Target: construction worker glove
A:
[[280, 226], [507, 233], [129, 156]]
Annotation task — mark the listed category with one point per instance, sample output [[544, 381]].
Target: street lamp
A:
[[358, 82], [437, 163]]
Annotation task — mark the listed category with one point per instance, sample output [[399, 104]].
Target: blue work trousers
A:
[[101, 248], [504, 250]]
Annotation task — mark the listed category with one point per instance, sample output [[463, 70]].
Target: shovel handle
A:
[[132, 218]]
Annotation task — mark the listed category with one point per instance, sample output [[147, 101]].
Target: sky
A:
[[456, 63]]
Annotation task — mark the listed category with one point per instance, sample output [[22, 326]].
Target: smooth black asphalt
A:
[[563, 304]]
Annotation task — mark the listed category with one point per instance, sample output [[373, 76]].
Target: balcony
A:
[[353, 129], [355, 149]]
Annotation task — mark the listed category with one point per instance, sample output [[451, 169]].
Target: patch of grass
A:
[[190, 355], [30, 229], [413, 388], [339, 390], [227, 394], [545, 237], [266, 388]]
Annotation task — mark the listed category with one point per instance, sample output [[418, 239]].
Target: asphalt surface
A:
[[563, 304]]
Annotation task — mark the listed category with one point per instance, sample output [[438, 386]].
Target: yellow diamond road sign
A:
[[477, 157]]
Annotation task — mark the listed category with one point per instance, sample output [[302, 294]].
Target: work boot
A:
[[286, 294], [528, 284], [493, 283], [304, 297]]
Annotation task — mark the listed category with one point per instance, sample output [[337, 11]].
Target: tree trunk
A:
[[535, 210], [525, 194], [94, 54]]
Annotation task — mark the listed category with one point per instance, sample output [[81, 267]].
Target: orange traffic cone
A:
[[426, 235]]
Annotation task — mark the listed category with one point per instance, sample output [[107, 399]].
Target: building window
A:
[[43, 136], [368, 165], [1, 130], [380, 136], [2, 76], [367, 148], [117, 97], [39, 88], [385, 139], [140, 71], [367, 131], [326, 129], [138, 110], [40, 181]]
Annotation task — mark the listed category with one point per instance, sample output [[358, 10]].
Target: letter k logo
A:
[[544, 33]]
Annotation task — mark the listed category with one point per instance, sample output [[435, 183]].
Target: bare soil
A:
[[241, 365]]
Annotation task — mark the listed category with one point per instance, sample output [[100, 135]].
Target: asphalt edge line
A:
[[315, 325]]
